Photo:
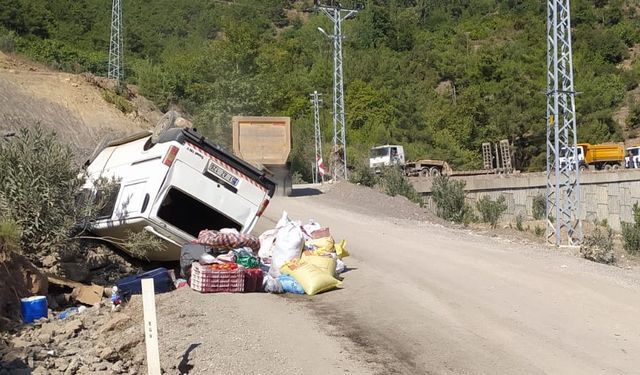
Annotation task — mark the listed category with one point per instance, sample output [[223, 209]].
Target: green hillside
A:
[[440, 77]]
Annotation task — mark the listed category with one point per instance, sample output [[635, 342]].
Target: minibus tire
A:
[[167, 122]]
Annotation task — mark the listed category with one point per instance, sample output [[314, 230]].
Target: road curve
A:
[[424, 299]]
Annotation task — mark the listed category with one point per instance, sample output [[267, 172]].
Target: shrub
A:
[[538, 231], [394, 183], [121, 103], [296, 178], [598, 246], [363, 175], [449, 196], [39, 181], [631, 232], [9, 236], [539, 207], [141, 243], [490, 210], [519, 220], [7, 41]]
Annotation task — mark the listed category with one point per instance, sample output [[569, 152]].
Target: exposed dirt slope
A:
[[65, 103]]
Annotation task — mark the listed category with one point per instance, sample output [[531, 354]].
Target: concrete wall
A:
[[603, 195]]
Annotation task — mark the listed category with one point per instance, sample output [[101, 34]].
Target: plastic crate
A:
[[207, 280]]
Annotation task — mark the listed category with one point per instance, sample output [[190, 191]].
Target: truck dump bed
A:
[[265, 142], [602, 152]]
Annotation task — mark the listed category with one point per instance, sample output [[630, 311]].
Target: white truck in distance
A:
[[632, 158], [384, 156], [388, 155]]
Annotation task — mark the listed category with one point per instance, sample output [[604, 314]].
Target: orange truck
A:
[[601, 156], [265, 142]]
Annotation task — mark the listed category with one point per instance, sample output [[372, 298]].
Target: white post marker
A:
[[150, 327]]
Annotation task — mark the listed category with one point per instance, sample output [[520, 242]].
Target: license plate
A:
[[220, 172]]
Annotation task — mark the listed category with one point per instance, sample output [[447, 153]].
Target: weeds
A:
[[363, 175], [141, 243], [490, 210], [539, 207], [394, 183], [449, 198], [120, 102], [519, 220], [598, 246], [538, 231], [631, 232]]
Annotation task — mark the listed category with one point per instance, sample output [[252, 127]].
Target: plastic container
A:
[[253, 280], [207, 280], [34, 308]]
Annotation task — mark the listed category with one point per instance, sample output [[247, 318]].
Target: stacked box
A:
[[207, 280]]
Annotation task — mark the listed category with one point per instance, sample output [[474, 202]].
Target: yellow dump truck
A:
[[265, 142], [600, 156]]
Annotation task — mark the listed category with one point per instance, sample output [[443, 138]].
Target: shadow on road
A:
[[184, 367], [305, 192]]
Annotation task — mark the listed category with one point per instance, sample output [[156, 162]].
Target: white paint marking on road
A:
[[150, 327]]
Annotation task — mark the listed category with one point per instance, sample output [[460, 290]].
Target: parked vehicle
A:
[[265, 142], [599, 157], [383, 156], [173, 184], [387, 155], [632, 160]]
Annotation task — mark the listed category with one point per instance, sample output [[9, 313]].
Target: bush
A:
[[598, 246], [121, 103], [141, 243], [519, 220], [394, 183], [449, 197], [631, 232], [490, 210], [539, 207], [8, 40], [40, 182], [538, 231], [296, 178], [363, 175]]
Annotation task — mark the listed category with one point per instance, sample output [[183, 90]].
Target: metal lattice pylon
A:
[[319, 164], [505, 154], [563, 178], [116, 70], [487, 158], [336, 14]]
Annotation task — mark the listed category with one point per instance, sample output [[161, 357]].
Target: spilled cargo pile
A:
[[291, 258]]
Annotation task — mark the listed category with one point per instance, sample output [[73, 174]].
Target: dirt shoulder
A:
[[68, 104]]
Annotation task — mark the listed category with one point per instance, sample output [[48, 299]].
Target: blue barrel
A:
[[34, 308]]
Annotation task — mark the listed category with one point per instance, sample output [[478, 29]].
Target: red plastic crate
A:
[[207, 280]]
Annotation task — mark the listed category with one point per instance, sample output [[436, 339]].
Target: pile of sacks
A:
[[300, 258]]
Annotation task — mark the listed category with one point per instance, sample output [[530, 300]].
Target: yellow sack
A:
[[341, 249], [313, 279], [325, 263], [321, 246]]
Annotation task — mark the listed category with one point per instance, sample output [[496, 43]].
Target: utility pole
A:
[[116, 71], [315, 99], [336, 14], [563, 179]]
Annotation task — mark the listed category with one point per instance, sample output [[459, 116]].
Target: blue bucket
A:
[[34, 308]]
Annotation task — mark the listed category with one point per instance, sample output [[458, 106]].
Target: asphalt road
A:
[[424, 299]]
